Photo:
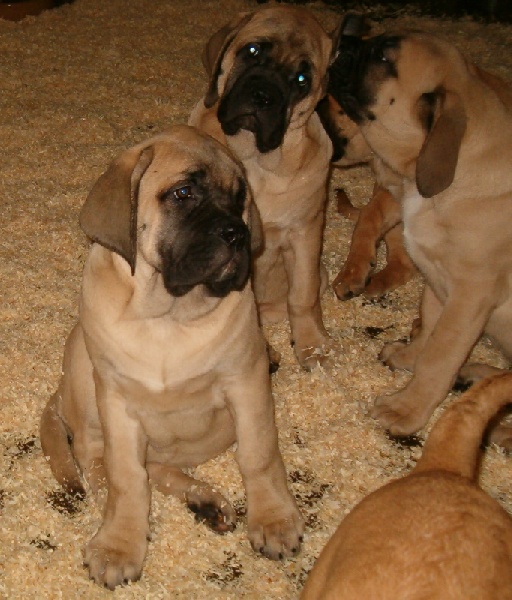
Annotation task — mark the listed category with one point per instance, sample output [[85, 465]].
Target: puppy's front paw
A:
[[277, 537], [311, 357], [114, 561], [398, 355], [401, 413], [351, 281]]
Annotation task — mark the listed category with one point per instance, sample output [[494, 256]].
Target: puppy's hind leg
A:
[[399, 268], [56, 444], [376, 219], [209, 506]]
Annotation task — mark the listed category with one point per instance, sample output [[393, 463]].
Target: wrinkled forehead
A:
[[294, 35], [418, 57], [177, 157]]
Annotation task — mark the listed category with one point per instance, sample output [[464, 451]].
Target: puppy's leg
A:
[[116, 553], [376, 218], [458, 328], [88, 450], [275, 526], [302, 263], [399, 267], [270, 283], [208, 505], [403, 355], [55, 442]]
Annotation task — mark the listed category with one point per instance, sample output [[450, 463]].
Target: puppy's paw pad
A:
[[346, 289], [213, 515], [280, 539], [396, 416], [313, 357], [390, 352], [111, 568]]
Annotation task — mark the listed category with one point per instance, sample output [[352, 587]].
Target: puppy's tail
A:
[[55, 443], [454, 442]]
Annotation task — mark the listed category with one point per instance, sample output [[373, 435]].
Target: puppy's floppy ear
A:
[[437, 161], [352, 27], [214, 51], [109, 215]]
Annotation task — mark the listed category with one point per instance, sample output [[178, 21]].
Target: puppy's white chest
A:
[[423, 232]]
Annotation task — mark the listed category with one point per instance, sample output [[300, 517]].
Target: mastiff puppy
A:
[[267, 73], [433, 533], [443, 127], [167, 366]]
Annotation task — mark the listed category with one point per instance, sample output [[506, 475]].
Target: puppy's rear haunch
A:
[[434, 533], [167, 366]]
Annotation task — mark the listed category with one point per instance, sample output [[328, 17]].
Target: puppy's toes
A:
[[312, 357], [274, 359], [279, 539], [396, 356], [220, 518], [346, 287], [396, 416], [110, 567]]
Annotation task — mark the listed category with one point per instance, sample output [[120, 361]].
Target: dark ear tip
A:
[[210, 99], [354, 24]]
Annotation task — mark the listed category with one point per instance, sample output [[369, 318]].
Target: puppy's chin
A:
[[267, 129], [218, 282]]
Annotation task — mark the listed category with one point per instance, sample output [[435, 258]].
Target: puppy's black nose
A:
[[234, 236], [262, 98]]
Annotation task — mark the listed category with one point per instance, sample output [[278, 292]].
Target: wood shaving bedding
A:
[[79, 83]]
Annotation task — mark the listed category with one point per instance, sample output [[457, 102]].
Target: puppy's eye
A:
[[253, 49], [378, 55], [183, 193], [302, 80]]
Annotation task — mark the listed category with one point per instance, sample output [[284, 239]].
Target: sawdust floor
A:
[[78, 84]]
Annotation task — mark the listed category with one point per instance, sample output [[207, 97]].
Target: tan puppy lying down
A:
[[434, 533]]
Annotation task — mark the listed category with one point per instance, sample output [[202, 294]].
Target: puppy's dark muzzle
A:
[[257, 102], [234, 236]]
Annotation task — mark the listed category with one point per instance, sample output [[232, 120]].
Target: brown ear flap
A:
[[353, 26], [437, 161], [109, 215], [214, 51]]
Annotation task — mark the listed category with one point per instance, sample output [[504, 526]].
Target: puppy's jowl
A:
[[167, 366], [442, 126], [267, 72]]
